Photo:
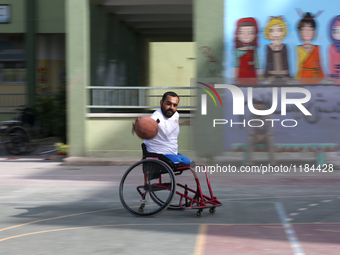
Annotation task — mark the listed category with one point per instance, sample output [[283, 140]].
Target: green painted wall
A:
[[50, 16], [112, 137], [172, 63], [17, 24]]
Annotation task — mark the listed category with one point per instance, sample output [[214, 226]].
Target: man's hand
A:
[[133, 126]]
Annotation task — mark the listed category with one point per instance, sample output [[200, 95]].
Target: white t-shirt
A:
[[165, 142]]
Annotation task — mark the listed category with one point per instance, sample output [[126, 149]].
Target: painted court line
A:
[[289, 230], [58, 217], [203, 233], [200, 241]]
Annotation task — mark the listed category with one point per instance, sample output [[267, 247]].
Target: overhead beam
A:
[[156, 17], [151, 9], [165, 31], [144, 2], [162, 24]]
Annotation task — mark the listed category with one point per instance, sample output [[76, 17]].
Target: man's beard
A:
[[167, 113]]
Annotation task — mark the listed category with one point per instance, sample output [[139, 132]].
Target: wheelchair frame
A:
[[158, 173]]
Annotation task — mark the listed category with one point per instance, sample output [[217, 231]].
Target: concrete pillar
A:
[[30, 51], [78, 73], [208, 35], [208, 21]]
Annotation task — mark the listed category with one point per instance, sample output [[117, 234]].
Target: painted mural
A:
[[282, 42]]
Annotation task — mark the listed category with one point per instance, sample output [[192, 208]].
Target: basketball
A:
[[146, 127]]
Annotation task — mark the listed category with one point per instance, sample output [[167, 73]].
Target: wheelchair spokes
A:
[[147, 187]]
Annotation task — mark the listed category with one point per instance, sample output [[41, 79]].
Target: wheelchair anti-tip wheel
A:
[[147, 187]]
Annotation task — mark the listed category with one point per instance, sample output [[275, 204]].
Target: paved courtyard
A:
[[50, 208]]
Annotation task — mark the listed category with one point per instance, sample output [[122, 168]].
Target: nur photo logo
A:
[[244, 97], [204, 97]]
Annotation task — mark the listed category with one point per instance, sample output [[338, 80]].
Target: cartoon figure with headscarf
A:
[[334, 50], [308, 58], [277, 67], [246, 61]]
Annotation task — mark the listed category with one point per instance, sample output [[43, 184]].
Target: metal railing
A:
[[11, 101], [116, 98], [137, 97]]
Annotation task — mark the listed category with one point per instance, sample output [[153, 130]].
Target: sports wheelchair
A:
[[149, 186]]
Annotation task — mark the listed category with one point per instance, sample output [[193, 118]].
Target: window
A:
[[12, 72]]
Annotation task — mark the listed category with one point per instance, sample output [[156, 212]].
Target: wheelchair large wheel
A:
[[17, 141], [147, 187]]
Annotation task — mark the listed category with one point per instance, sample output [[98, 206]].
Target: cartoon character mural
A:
[[276, 65], [334, 50], [245, 59], [309, 69]]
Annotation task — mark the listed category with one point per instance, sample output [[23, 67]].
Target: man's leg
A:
[[179, 158], [184, 159]]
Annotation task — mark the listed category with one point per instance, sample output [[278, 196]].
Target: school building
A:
[[115, 58]]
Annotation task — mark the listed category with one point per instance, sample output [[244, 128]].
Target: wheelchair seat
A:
[[175, 166]]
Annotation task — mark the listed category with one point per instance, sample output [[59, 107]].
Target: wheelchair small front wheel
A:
[[147, 187]]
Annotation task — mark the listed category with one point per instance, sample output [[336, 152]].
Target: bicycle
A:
[[19, 136]]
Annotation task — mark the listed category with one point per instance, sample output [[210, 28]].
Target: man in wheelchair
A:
[[165, 142], [149, 186]]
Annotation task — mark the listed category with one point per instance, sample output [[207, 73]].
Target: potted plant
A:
[[61, 151]]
